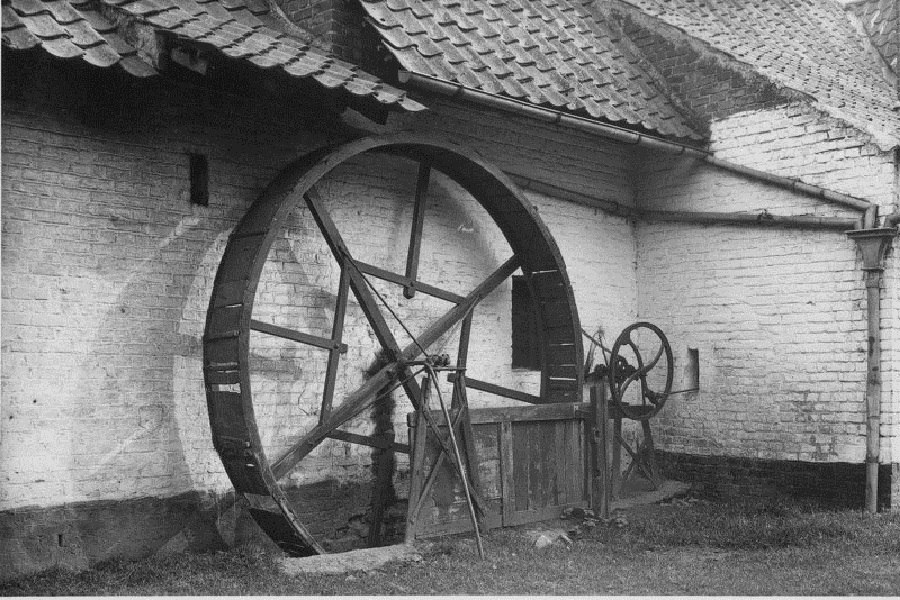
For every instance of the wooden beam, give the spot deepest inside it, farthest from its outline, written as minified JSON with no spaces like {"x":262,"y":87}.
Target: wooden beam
{"x":380,"y":442}
{"x":417,"y":467}
{"x":356,"y":402}
{"x":366,"y":395}
{"x":437,"y":463}
{"x":491,"y":388}
{"x":337,"y":332}
{"x":303,"y":338}
{"x":461,"y":402}
{"x":409,"y":283}
{"x":553,"y":411}
{"x":415,"y":235}
{"x":357,"y":282}
{"x":458,"y":312}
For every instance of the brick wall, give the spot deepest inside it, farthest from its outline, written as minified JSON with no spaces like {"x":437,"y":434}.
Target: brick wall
{"x":762,"y":398}
{"x":778,"y":315}
{"x":107,"y":270}
{"x":708,"y":85}
{"x":337,"y":27}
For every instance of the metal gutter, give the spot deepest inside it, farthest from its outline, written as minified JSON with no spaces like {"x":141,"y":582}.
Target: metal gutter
{"x":762,"y":219}
{"x":556,"y":117}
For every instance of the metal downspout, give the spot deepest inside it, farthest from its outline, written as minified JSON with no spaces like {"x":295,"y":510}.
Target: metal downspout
{"x":873,"y":244}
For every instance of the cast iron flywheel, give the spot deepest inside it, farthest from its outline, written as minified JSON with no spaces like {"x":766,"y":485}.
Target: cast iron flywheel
{"x":230,"y":317}
{"x":656,"y":364}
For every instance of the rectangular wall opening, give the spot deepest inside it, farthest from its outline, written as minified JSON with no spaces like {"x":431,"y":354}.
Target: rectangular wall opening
{"x":692,"y":369}
{"x":199,"y":174}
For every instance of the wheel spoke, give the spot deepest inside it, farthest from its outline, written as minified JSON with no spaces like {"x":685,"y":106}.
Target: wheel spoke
{"x":415,"y":236}
{"x":337,"y":332}
{"x":458,"y":312}
{"x":642,"y":369}
{"x":356,"y":402}
{"x":334,"y":345}
{"x":408,"y":283}
{"x":366,"y":395}
{"x":357,"y":283}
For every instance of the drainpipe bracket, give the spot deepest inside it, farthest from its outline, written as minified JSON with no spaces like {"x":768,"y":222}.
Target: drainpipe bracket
{"x":874,"y":244}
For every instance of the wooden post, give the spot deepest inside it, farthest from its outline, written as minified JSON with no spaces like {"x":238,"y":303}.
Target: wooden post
{"x":616,"y":468}
{"x":650,"y":455}
{"x":600,"y":461}
{"x":417,"y":464}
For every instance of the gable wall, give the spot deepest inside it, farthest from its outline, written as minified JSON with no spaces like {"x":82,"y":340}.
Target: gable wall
{"x":105,"y":448}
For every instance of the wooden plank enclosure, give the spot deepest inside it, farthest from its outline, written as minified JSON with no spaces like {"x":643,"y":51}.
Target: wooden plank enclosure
{"x":532,"y":463}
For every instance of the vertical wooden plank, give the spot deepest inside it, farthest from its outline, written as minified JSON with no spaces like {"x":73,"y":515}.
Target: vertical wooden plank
{"x":461,"y":403}
{"x":535,"y":464}
{"x":553,"y":462}
{"x":507,"y":472}
{"x":334,"y":355}
{"x":417,"y":465}
{"x":521,"y":459}
{"x":584,"y":434}
{"x":548,"y":452}
{"x":561,"y":473}
{"x":651,"y":454}
{"x":600,"y":408}
{"x":572,"y":465}
{"x":616,"y":469}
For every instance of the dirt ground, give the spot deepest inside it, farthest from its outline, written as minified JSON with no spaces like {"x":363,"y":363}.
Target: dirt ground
{"x":683,"y":546}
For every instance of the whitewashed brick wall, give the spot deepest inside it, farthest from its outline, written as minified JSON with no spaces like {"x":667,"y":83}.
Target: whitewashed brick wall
{"x":107,"y":271}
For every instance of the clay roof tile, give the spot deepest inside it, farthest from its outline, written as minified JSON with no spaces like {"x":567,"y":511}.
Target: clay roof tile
{"x":238,"y":28}
{"x":550,"y":52}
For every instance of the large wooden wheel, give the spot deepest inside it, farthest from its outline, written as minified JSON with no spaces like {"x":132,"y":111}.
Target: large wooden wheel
{"x":230,"y":317}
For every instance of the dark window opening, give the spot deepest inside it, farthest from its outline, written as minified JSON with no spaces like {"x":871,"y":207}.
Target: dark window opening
{"x":692,"y":369}
{"x":199,"y":174}
{"x":526,"y":346}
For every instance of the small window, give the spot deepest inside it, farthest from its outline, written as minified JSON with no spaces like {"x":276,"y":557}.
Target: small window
{"x":692,"y":369}
{"x":526,"y":347}
{"x":199,"y":174}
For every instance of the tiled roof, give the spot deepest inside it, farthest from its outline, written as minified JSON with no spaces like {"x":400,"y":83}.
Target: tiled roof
{"x":238,"y":28}
{"x":881,"y":20}
{"x":549,"y":53}
{"x":806,"y":45}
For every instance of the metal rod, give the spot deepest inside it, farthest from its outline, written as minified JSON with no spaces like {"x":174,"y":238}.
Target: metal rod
{"x":763,"y":219}
{"x":693,"y":389}
{"x":459,"y":461}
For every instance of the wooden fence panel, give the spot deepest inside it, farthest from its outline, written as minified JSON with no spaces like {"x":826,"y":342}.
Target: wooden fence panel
{"x":530,"y":465}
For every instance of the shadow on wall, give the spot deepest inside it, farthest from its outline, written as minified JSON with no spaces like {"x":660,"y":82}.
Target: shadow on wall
{"x":140,"y":474}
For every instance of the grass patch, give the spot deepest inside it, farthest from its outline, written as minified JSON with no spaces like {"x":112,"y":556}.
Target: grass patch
{"x":694,"y":549}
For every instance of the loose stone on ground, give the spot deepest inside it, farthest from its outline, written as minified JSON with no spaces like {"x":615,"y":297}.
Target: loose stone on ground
{"x":366,"y":559}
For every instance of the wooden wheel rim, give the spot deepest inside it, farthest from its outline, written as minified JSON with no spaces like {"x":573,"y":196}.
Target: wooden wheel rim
{"x":226,"y":341}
